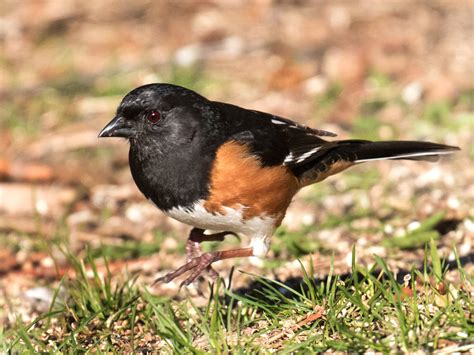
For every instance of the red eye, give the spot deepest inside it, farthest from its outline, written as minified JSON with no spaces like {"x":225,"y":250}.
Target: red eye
{"x":153,"y":116}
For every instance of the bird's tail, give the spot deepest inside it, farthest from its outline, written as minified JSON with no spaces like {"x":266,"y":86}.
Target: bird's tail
{"x":346,"y":153}
{"x":362,"y":151}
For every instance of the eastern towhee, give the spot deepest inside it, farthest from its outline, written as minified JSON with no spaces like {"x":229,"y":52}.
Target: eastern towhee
{"x":223,"y":168}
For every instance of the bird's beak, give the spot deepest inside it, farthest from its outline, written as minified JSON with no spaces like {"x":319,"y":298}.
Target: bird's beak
{"x":118,"y":127}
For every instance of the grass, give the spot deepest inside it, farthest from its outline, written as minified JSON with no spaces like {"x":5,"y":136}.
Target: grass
{"x":295,"y":244}
{"x":128,"y":249}
{"x":369,"y":309}
{"x":419,"y":236}
{"x":56,"y":100}
{"x":324,"y":104}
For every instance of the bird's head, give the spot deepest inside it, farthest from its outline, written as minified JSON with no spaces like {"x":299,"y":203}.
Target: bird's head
{"x":159,"y":112}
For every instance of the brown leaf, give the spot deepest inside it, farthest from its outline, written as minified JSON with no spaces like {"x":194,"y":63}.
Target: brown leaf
{"x":8,"y":261}
{"x":406,"y":292}
{"x":345,"y":65}
{"x":310,"y":318}
{"x":441,"y":287}
{"x":287,"y":76}
{"x":4,"y":168}
{"x":21,"y":171}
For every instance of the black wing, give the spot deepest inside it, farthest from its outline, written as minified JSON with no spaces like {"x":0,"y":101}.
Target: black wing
{"x":275,"y":140}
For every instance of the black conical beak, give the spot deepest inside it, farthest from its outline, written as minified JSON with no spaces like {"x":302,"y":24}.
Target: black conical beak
{"x":118,"y":127}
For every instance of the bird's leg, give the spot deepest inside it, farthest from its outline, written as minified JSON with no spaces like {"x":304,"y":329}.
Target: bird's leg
{"x":197,"y":236}
{"x":193,"y":249}
{"x":200,"y":263}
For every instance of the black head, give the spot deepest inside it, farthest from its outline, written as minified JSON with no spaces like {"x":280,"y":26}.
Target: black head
{"x":157,"y":112}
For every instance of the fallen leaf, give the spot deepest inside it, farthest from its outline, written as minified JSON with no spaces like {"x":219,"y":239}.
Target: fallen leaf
{"x":8,"y":261}
{"x":310,"y":318}
{"x":406,"y":292}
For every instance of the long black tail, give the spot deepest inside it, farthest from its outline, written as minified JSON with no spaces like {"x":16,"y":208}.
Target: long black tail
{"x":362,"y":151}
{"x":341,"y":155}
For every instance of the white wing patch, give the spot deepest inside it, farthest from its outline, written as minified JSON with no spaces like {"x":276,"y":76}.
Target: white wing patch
{"x":291,"y":158}
{"x":306,"y":147}
{"x":289,"y":124}
{"x":280,"y":121}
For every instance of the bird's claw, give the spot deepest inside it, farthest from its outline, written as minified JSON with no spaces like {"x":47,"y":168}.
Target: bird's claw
{"x":197,"y":265}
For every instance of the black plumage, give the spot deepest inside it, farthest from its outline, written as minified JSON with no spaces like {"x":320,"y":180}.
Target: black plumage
{"x":177,"y":136}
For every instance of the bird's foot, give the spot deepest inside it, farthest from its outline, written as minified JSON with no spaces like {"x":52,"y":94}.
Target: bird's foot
{"x":197,"y":264}
{"x":203,"y":262}
{"x":193,"y":250}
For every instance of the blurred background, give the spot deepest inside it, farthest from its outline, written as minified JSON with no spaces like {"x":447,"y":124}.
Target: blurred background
{"x":372,"y":69}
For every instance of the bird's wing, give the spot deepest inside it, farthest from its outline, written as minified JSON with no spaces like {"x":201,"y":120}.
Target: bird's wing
{"x":276,"y":140}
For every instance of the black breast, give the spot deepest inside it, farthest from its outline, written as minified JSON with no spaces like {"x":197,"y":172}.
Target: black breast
{"x":171,"y":179}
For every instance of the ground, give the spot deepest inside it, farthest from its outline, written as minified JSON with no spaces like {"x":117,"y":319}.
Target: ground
{"x":378,"y":258}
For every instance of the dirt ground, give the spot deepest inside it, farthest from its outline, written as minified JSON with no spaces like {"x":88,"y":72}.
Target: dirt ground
{"x":381,"y":70}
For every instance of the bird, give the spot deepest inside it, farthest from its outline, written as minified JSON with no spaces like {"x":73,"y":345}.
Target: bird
{"x":223,"y":169}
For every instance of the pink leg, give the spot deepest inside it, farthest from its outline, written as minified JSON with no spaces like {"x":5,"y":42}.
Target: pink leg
{"x":200,"y":263}
{"x":197,"y":236}
{"x":193,"y":249}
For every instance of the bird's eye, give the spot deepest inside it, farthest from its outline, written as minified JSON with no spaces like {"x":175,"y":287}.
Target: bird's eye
{"x":153,"y":116}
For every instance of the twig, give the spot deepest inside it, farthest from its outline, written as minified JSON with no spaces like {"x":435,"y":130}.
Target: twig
{"x":310,"y":318}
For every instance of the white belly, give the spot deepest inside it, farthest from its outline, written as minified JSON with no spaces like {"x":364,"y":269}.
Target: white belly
{"x":259,"y":229}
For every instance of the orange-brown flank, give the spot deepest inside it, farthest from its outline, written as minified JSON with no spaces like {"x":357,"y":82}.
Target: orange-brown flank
{"x":239,"y":179}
